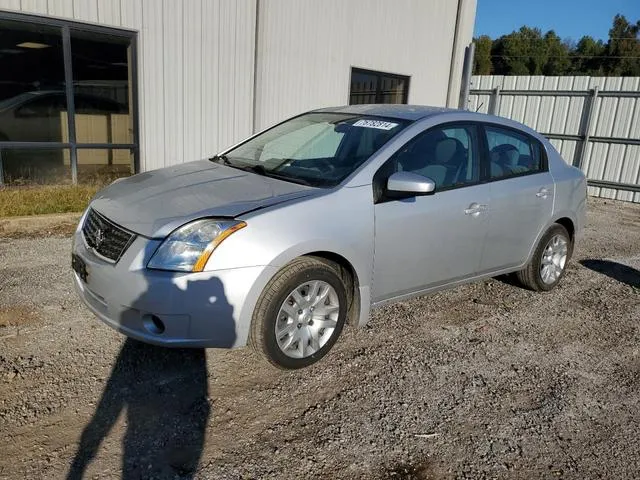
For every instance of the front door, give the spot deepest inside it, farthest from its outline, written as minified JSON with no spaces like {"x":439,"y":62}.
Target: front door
{"x":427,"y":241}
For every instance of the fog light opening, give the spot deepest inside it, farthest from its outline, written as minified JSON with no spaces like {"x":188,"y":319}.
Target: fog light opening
{"x":153,"y":324}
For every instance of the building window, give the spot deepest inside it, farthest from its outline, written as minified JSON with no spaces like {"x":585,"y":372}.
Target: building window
{"x":368,"y":86}
{"x":67,"y":102}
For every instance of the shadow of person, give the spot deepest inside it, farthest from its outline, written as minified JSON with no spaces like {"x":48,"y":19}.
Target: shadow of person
{"x":617,"y":271}
{"x":164,"y":393}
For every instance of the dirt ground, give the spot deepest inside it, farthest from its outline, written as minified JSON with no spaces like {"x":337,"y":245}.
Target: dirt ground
{"x":484,"y":381}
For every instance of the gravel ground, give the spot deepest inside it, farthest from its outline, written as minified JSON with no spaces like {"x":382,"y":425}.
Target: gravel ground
{"x":484,"y":381}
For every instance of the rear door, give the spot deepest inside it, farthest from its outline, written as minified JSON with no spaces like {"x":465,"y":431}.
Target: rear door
{"x":521,"y":196}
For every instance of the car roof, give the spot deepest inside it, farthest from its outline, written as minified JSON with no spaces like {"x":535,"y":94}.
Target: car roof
{"x":419,"y":112}
{"x":403,"y":112}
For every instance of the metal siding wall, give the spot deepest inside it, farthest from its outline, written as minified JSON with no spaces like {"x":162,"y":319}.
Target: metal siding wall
{"x":612,"y":117}
{"x":307,"y":48}
{"x":195,"y":69}
{"x":465,"y":36}
{"x":61,"y":8}
{"x":10,"y":4}
{"x":151,"y":50}
{"x":173,"y":60}
{"x":86,"y":10}
{"x":192,"y":79}
{"x":35,"y":6}
{"x":209,"y":123}
{"x":109,"y":12}
{"x":196,"y":59}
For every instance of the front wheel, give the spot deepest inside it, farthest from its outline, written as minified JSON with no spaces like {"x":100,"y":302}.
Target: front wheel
{"x":300,"y":314}
{"x":549,"y":260}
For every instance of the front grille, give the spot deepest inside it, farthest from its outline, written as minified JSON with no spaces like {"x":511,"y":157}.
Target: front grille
{"x":104,"y":237}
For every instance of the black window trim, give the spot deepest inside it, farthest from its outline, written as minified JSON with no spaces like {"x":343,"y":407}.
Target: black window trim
{"x":482,"y":145}
{"x":66,"y":26}
{"x":485,"y":171}
{"x":379,"y":74}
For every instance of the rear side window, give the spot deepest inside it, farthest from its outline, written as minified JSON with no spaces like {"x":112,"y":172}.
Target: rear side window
{"x":512,"y":154}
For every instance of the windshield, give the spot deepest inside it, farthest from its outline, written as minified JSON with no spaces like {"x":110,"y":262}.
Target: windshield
{"x":317,"y":149}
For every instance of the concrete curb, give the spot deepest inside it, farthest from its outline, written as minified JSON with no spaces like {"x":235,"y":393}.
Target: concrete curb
{"x":39,"y":225}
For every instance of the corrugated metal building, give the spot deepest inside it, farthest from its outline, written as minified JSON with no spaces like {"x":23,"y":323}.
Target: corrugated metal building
{"x":176,"y":80}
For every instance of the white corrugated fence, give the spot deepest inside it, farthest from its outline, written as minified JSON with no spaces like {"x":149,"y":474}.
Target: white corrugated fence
{"x":594,"y":122}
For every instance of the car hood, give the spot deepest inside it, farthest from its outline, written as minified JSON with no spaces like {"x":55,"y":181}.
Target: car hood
{"x":155,"y":203}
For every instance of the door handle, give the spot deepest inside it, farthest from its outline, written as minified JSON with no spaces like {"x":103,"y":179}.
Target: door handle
{"x":475,"y":209}
{"x":543,"y":193}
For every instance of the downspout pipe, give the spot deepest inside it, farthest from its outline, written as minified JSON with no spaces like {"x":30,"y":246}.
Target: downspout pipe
{"x":454,"y":49}
{"x":467,"y":69}
{"x":256,"y":45}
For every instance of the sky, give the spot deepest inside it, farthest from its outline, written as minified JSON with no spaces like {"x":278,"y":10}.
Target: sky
{"x":568,"y":18}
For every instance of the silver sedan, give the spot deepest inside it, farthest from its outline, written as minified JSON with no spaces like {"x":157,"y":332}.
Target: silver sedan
{"x":282,"y":239}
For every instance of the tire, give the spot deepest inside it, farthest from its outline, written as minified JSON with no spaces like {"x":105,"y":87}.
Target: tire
{"x":308,"y":323}
{"x":553,"y":251}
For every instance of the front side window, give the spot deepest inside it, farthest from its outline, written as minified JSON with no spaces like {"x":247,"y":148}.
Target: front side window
{"x":447,"y":155}
{"x":317,"y":149}
{"x":511,"y":154}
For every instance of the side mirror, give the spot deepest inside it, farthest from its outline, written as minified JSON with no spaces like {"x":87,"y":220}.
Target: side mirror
{"x":409,"y":184}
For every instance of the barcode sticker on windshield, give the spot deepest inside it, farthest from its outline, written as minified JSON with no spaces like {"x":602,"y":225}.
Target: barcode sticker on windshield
{"x":375,"y":124}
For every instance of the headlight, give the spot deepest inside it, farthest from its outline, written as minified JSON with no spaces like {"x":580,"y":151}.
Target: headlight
{"x":189,"y":247}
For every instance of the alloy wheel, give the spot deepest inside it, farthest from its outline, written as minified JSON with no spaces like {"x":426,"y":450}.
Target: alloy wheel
{"x":307,"y":319}
{"x":554,"y":259}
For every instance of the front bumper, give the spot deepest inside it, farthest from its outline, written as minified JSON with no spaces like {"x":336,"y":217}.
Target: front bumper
{"x":206,"y":309}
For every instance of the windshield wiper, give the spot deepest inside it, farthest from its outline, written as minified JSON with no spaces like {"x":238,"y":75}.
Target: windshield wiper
{"x":287,"y":178}
{"x":259,"y":170}
{"x":221,"y":159}
{"x":282,"y":163}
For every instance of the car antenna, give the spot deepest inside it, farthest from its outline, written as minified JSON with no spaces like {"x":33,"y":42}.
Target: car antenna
{"x":479,"y":107}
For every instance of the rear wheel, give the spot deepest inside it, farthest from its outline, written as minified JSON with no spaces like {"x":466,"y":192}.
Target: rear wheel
{"x":549,"y":260}
{"x":300,"y":313}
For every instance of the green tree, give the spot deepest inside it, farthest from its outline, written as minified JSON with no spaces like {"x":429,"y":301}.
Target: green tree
{"x":588,"y":57}
{"x":623,"y":48}
{"x":482,"y":58}
{"x":558,"y":61}
{"x":529,"y":52}
{"x":520,"y":53}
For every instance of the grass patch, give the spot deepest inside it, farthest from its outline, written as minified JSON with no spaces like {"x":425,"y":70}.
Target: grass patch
{"x":19,"y":201}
